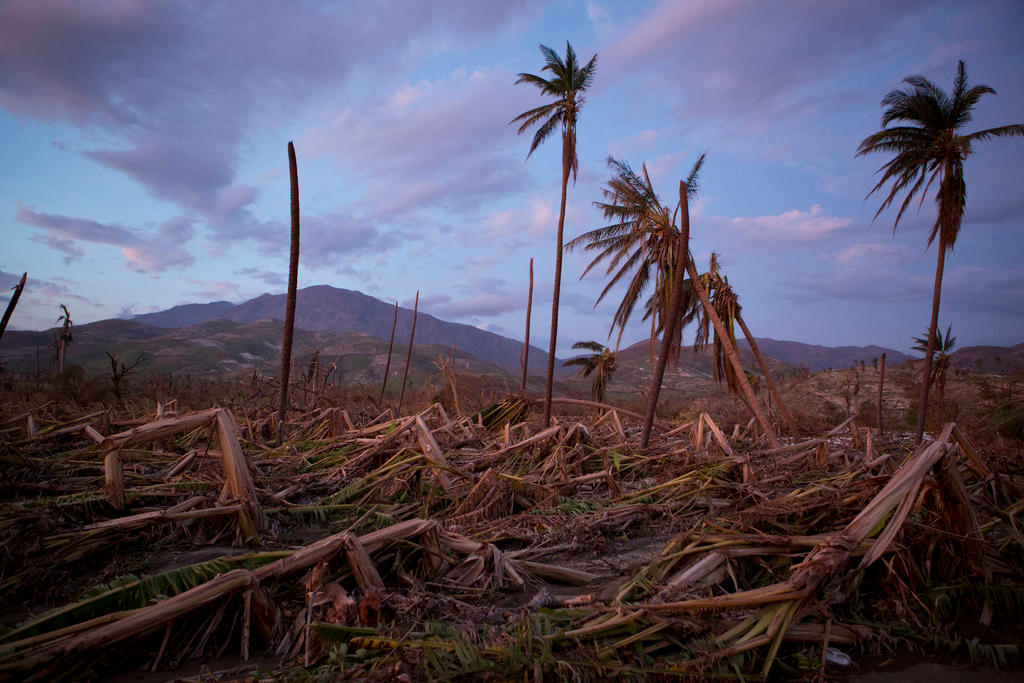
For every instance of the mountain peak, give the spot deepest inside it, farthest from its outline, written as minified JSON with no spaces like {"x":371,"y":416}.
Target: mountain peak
{"x":323,"y":308}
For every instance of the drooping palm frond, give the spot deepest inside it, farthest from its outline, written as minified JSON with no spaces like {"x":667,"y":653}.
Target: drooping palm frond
{"x":930,"y":147}
{"x":726,"y":304}
{"x":637,"y":244}
{"x":601,"y":362}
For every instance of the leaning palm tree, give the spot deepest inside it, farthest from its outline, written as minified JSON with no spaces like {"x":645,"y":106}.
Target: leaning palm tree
{"x":638,"y":247}
{"x":601,"y":364}
{"x":567,"y":83}
{"x":727,"y":305}
{"x":645,"y":246}
{"x":930,"y":150}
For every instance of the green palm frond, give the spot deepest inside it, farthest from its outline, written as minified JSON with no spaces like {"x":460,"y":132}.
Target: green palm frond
{"x":568,"y":82}
{"x":929,"y":148}
{"x":601,"y":362}
{"x":130,"y":592}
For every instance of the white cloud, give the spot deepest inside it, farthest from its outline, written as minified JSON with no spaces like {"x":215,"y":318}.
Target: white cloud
{"x":790,"y":229}
{"x":874,"y":252}
{"x":485,"y":304}
{"x":144,"y":253}
{"x":539,"y":220}
{"x":443,"y":143}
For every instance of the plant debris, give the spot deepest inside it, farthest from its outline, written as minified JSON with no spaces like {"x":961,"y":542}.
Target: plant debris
{"x":424,"y":546}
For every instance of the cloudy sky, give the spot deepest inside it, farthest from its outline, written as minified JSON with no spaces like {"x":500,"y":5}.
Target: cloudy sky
{"x":144,"y":156}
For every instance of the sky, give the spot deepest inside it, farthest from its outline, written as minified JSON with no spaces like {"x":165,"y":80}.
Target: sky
{"x":144,"y":159}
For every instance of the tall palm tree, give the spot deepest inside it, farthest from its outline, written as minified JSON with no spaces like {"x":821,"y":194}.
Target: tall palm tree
{"x":930,"y":149}
{"x":567,"y":84}
{"x":601,"y":363}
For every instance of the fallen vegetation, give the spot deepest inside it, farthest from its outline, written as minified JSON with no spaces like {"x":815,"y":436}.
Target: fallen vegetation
{"x":434,"y":545}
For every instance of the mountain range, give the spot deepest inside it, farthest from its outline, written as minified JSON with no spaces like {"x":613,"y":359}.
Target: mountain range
{"x":351,"y":330}
{"x":328,"y":309}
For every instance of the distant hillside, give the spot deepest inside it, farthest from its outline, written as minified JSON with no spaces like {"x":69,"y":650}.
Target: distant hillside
{"x":219,"y":347}
{"x":694,"y":371}
{"x":816,"y":358}
{"x":989,"y":358}
{"x":328,"y":309}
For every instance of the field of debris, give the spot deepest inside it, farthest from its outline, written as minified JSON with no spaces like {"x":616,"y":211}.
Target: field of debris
{"x":181,"y":540}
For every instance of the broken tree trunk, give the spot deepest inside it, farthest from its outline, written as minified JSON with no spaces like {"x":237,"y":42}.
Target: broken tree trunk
{"x":391,"y":345}
{"x":236,"y":473}
{"x":21,"y":286}
{"x":731,"y":355}
{"x":774,"y":390}
{"x":115,"y":479}
{"x":289,"y":312}
{"x":526,"y":343}
{"x":881,"y":385}
{"x":408,"y":356}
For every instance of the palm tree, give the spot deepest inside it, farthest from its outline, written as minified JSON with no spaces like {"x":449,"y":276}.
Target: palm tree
{"x":727,"y":305}
{"x":930,"y":149}
{"x":567,"y":83}
{"x":601,"y":364}
{"x":639,"y":245}
{"x":943,"y":346}
{"x":729,"y":349}
{"x":644,"y":245}
{"x":65,"y":337}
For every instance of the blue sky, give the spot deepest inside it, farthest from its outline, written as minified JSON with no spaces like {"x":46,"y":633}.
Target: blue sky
{"x":145,"y":156}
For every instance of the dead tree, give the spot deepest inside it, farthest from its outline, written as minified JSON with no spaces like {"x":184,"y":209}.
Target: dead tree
{"x":391,"y":345}
{"x":17,"y":295}
{"x":881,"y":384}
{"x":408,"y":356}
{"x":289,"y":312}
{"x":526,"y":343}
{"x":118,"y":371}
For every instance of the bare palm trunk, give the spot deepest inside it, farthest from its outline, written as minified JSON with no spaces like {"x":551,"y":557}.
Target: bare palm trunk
{"x":733,"y":358}
{"x":772,"y":389}
{"x":408,"y":356}
{"x":391,"y":345}
{"x":926,"y":378}
{"x":12,"y":303}
{"x":289,"y":311}
{"x":566,"y":164}
{"x":881,"y":385}
{"x":674,"y":313}
{"x":526,"y":344}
